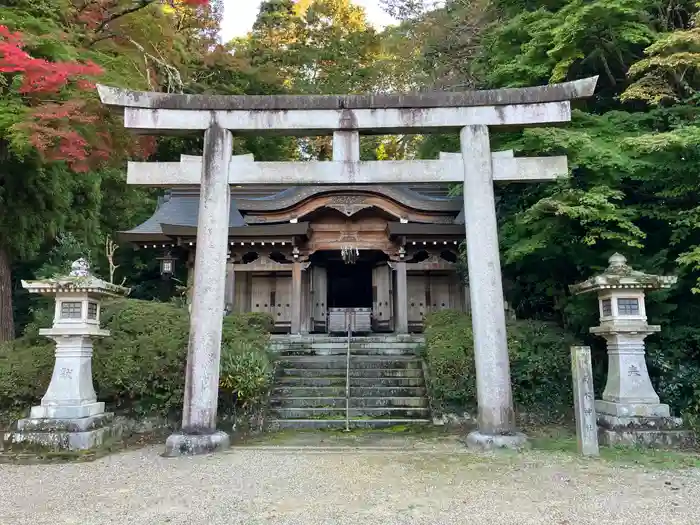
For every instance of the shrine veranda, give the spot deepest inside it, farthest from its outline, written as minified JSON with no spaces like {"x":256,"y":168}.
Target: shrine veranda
{"x":281,"y":253}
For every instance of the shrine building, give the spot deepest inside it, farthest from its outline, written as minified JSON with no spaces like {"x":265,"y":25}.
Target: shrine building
{"x":307,"y":254}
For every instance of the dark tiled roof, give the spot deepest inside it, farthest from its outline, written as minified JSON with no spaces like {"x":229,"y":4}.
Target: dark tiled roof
{"x":181,"y":210}
{"x":180,"y":207}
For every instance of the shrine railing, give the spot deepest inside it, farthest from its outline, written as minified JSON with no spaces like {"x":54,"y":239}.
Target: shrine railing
{"x":349,"y":318}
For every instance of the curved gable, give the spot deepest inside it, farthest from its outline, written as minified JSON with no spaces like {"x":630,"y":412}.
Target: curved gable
{"x":405,"y":196}
{"x":350,"y":201}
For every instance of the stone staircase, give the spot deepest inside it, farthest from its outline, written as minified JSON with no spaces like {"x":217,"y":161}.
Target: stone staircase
{"x":387,"y":387}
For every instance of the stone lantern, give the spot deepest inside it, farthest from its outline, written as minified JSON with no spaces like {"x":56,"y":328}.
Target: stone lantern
{"x":630,"y":411}
{"x":69,"y":416}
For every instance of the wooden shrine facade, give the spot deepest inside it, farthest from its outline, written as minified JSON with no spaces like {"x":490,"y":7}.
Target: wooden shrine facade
{"x":299,"y":253}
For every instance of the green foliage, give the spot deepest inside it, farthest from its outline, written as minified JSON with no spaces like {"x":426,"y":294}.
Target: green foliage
{"x":140,"y":368}
{"x":246,"y":373}
{"x":449,"y":342}
{"x":25,"y":372}
{"x":673,"y":359}
{"x":539,"y":357}
{"x":315,"y":46}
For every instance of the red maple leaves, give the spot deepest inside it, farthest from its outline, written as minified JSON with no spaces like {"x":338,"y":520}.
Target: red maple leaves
{"x":39,"y":75}
{"x":57,"y":129}
{"x":64,"y":121}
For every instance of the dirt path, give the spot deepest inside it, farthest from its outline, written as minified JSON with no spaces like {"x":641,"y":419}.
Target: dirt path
{"x":397,"y":480}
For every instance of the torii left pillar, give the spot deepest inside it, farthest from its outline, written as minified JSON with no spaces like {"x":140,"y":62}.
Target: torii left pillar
{"x":494,"y":392}
{"x":199,"y":434}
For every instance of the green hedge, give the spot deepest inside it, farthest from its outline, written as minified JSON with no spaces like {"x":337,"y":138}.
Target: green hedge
{"x":539,"y":361}
{"x":140,"y":368}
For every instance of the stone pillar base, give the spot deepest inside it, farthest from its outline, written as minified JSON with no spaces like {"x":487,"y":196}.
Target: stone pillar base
{"x":68,"y":412}
{"x":480,"y":441}
{"x":640,"y":424}
{"x":183,"y":444}
{"x":646,"y":438}
{"x":64,"y":434}
{"x":644,"y":410}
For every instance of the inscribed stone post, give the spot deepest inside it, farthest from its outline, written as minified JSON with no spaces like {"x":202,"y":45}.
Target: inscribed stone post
{"x":584,"y":402}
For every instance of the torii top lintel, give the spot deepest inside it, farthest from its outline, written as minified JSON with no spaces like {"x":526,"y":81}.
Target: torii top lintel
{"x":323,"y":114}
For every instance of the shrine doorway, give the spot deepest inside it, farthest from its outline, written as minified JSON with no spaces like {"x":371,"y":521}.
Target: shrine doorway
{"x":350,"y":284}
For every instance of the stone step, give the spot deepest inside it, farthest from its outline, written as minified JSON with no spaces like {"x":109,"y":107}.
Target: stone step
{"x":326,"y":381}
{"x":342,"y":351}
{"x":354,"y":372}
{"x":343,"y":343}
{"x":279,"y":424}
{"x":355,"y":413}
{"x":355,"y":402}
{"x":339,"y":391}
{"x":324,"y":338}
{"x":307,"y":402}
{"x":356,"y":363}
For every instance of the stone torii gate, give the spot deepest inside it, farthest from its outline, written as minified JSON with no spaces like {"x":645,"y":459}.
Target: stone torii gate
{"x":346,"y":118}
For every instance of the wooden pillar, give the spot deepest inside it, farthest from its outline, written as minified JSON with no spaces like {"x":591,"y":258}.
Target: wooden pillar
{"x":401,"y":311}
{"x":306,"y":302}
{"x":296,"y":298}
{"x":230,"y":295}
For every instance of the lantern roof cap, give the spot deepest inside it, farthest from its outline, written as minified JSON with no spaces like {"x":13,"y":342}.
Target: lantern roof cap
{"x":620,"y":275}
{"x":79,"y":280}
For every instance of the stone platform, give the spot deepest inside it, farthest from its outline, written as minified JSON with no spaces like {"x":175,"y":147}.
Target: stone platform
{"x":645,"y":431}
{"x":64,"y":434}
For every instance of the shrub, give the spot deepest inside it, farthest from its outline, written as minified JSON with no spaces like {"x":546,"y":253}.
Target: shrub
{"x":25,"y":372}
{"x":448,"y":354}
{"x":539,"y":361}
{"x":246,"y":374}
{"x":673,"y":358}
{"x":140,"y":368}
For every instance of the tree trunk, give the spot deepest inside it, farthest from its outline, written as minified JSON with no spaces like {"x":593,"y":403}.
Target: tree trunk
{"x":7,"y":325}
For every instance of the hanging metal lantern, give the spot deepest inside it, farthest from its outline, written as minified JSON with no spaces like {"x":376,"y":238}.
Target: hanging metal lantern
{"x":167,"y":264}
{"x":350,"y":254}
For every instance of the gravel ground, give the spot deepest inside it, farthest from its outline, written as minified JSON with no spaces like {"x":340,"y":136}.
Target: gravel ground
{"x":288,"y":485}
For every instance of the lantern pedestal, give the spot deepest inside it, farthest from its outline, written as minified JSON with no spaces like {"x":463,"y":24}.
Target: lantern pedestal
{"x":629,"y":411}
{"x":69,"y":416}
{"x":65,"y":434}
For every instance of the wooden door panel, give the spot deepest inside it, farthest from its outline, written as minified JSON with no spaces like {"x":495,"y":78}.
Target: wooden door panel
{"x":382,"y":303}
{"x":319,"y":298}
{"x":261,"y":294}
{"x":242,"y":297}
{"x":416,"y":301}
{"x":283,"y":300}
{"x":439,"y":292}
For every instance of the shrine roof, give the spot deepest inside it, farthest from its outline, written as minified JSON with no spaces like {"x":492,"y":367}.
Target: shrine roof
{"x":117,"y":97}
{"x":247,"y":232}
{"x":180,"y":208}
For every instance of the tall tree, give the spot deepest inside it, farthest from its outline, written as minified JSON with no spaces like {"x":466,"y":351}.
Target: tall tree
{"x":316,"y":46}
{"x":55,"y":137}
